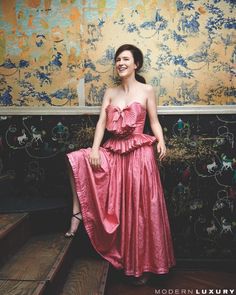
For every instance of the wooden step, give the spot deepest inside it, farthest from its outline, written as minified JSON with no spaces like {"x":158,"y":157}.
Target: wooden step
{"x":10,"y":221}
{"x":39,"y":261}
{"x":14,"y":231}
{"x":21,"y":287}
{"x":87,"y":276}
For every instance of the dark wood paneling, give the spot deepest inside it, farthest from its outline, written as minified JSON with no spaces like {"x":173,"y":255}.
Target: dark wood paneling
{"x":198,"y":174}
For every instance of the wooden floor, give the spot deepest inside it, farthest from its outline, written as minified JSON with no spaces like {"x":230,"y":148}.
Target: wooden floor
{"x":36,"y":259}
{"x":176,"y":282}
{"x":88,"y":275}
{"x":37,"y":262}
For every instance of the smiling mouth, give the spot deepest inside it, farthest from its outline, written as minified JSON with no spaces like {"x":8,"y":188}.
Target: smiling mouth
{"x":121,"y":69}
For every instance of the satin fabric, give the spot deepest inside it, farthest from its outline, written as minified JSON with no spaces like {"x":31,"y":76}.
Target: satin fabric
{"x":122,"y":202}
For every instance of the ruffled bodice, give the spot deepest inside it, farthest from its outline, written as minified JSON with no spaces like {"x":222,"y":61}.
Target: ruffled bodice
{"x":127,"y":126}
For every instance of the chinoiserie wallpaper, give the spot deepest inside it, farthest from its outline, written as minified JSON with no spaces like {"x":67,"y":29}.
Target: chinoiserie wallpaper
{"x":60,"y":52}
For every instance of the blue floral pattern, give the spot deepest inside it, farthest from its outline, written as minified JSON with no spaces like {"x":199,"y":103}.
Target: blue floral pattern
{"x":189,"y":50}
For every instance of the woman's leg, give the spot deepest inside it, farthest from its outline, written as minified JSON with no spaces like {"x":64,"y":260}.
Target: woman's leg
{"x":76,"y":204}
{"x":76,"y":215}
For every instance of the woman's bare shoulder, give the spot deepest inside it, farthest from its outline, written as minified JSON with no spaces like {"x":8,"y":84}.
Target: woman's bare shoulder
{"x":148,"y":87}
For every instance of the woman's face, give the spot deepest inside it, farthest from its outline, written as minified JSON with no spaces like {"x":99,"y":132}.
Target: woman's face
{"x":125,"y":65}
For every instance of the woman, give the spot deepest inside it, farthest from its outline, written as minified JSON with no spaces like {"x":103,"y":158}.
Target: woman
{"x":116,"y":187}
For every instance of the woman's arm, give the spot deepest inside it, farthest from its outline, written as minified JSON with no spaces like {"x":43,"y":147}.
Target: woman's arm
{"x":154,"y":122}
{"x":94,"y":157}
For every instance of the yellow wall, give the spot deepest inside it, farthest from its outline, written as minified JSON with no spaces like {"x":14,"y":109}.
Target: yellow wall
{"x":50,"y":50}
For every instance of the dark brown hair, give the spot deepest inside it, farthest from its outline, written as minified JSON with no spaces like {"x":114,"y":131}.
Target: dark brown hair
{"x":138,"y":58}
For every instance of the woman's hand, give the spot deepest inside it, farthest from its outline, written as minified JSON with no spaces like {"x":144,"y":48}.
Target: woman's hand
{"x":94,"y":158}
{"x":161,"y":149}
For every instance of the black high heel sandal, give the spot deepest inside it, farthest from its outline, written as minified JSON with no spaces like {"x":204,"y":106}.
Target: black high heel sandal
{"x":142,"y":280}
{"x":71,"y":234}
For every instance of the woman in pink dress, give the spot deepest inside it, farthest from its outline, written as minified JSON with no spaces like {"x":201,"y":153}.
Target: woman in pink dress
{"x":116,"y":187}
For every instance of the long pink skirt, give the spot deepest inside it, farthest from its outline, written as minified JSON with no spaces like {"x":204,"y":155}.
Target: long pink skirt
{"x":124,"y":211}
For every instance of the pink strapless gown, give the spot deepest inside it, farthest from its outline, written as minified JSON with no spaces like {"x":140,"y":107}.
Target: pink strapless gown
{"x":122,"y":202}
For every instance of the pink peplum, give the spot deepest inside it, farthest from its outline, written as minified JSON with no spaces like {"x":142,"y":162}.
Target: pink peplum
{"x":127,"y":127}
{"x":122,"y":202}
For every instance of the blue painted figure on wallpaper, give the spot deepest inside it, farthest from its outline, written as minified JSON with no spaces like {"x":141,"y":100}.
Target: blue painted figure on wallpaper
{"x":40,"y":38}
{"x":88,"y":64}
{"x":6,"y":97}
{"x":89,"y":77}
{"x":65,"y":93}
{"x":8,"y":64}
{"x":184,"y":6}
{"x":96,"y":94}
{"x":94,"y":35}
{"x":43,"y":77}
{"x":43,"y":96}
{"x":56,"y":61}
{"x":68,"y":46}
{"x":188,"y":94}
{"x":107,"y":59}
{"x":189,"y":24}
{"x":158,"y":24}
